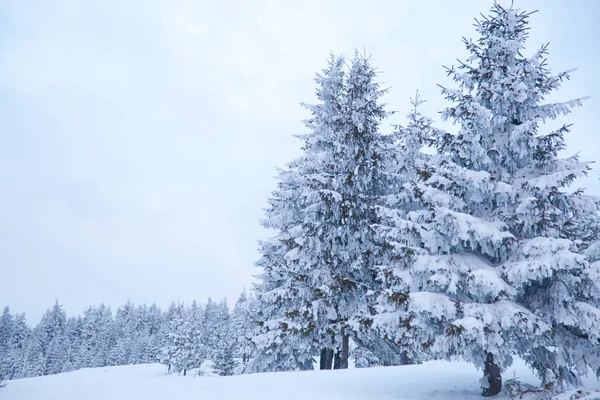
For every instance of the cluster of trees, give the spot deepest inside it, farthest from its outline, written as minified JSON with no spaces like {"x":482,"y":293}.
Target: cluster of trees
{"x":181,"y":337}
{"x":475,"y":249}
{"x":194,"y":334}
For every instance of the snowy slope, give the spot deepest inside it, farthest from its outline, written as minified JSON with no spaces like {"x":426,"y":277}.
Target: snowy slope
{"x":433,"y":380}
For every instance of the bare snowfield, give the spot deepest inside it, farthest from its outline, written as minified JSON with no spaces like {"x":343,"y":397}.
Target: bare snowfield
{"x":432,"y":380}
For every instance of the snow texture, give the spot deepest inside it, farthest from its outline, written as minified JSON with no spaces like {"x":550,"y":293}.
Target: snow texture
{"x":453,"y":381}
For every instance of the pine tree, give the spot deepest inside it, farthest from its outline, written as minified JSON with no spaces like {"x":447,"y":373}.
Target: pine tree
{"x":332,"y":211}
{"x":6,"y":334}
{"x":73,"y":357}
{"x":174,"y":318}
{"x":52,"y":340}
{"x":191,"y":352}
{"x":126,"y":333}
{"x":20,"y":338}
{"x":155,"y":321}
{"x":282,"y":289}
{"x":501,"y":272}
{"x":242,"y":325}
{"x":224,"y":362}
{"x":211,"y":323}
{"x":403,"y":233}
{"x":183,"y":349}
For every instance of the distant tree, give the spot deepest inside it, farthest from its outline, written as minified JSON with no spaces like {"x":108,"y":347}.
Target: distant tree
{"x":155,"y":334}
{"x":168,"y":351}
{"x":74,"y":359}
{"x":34,"y":361}
{"x":224,"y":363}
{"x":211,"y":323}
{"x":243,"y":320}
{"x":226,"y":344}
{"x":51,"y":337}
{"x":183,"y":349}
{"x":20,"y":339}
{"x":6,"y":334}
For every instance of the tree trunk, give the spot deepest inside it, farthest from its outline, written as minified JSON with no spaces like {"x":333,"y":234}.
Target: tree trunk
{"x":337,"y":360}
{"x":326,"y":358}
{"x":184,"y":371}
{"x":404,"y":360}
{"x":341,"y":355}
{"x":345,"y":352}
{"x":492,"y":380}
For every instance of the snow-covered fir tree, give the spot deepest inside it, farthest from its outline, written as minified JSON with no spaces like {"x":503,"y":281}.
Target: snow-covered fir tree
{"x":401,"y":232}
{"x":330,"y":211}
{"x":20,"y":338}
{"x":6,"y":334}
{"x":73,"y":355}
{"x":168,"y":350}
{"x":281,"y":290}
{"x":183,"y":349}
{"x":97,"y":335}
{"x":52,"y":339}
{"x":501,"y":271}
{"x":212,"y":323}
{"x":242,"y":325}
{"x":124,"y":330}
{"x":224,"y":362}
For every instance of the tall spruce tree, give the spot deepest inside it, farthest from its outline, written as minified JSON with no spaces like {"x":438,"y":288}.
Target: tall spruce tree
{"x":304,"y":190}
{"x":501,"y":272}
{"x":327,"y":210}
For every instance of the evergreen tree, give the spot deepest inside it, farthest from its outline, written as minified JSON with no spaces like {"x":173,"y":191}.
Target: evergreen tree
{"x":285,"y":283}
{"x":501,"y":272}
{"x":224,"y":362}
{"x":211,"y":323}
{"x":321,"y":268}
{"x":20,"y":338}
{"x":73,"y":356}
{"x":6,"y":334}
{"x":242,"y":326}
{"x":403,"y":231}
{"x":51,"y":337}
{"x":183,"y":349}
{"x":174,"y":318}
{"x":34,"y":361}
{"x":155,"y":321}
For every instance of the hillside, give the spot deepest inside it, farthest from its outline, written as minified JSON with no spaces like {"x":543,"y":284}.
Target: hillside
{"x":433,"y":380}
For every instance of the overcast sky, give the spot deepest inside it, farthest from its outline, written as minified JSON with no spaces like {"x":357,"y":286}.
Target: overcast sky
{"x":140,"y":138}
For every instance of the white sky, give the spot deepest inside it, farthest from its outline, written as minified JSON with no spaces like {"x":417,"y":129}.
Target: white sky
{"x":140,"y":138}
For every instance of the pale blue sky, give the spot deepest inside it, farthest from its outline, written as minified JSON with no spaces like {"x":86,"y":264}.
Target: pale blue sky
{"x":140,"y":137}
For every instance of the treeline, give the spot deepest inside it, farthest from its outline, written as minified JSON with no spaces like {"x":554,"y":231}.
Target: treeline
{"x":181,"y":337}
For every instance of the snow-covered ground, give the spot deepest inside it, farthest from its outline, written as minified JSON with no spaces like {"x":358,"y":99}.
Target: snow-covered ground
{"x":433,"y":380}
